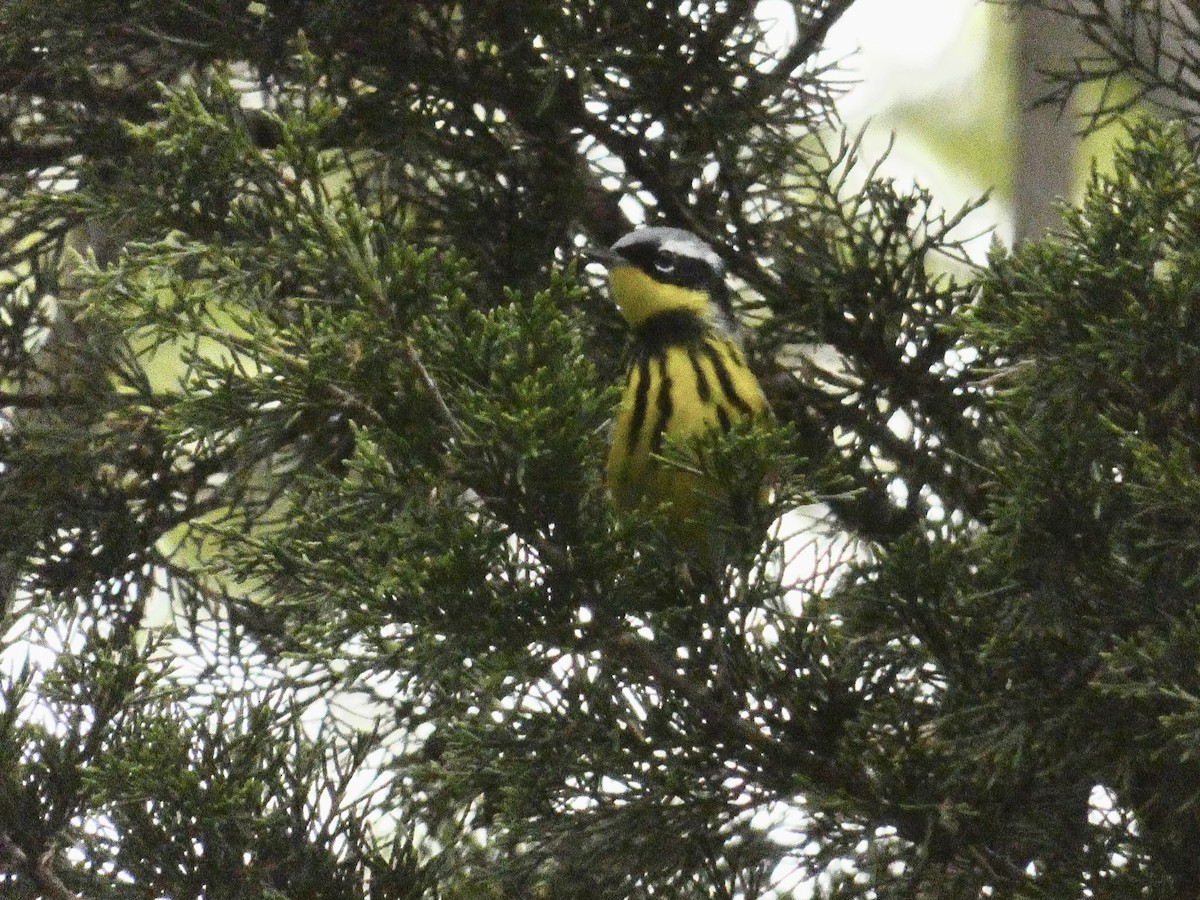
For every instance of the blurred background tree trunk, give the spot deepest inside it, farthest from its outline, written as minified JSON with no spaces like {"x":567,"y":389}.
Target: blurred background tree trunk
{"x":1047,"y":133}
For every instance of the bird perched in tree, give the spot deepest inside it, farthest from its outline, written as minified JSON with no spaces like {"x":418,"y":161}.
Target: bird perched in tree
{"x":688,"y":375}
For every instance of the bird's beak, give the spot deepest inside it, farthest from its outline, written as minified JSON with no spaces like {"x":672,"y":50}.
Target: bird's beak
{"x":604,"y":257}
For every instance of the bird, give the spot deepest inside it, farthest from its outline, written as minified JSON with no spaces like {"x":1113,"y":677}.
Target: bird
{"x":687,"y":375}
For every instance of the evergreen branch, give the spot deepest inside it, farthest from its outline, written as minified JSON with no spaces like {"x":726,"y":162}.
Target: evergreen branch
{"x":1153,"y":42}
{"x":638,"y":163}
{"x":720,"y":719}
{"x":807,"y":45}
{"x":787,"y":766}
{"x":40,"y":872}
{"x":723,"y":722}
{"x":369,"y":285}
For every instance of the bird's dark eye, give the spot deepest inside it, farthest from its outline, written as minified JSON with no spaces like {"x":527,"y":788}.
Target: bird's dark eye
{"x":664,"y":262}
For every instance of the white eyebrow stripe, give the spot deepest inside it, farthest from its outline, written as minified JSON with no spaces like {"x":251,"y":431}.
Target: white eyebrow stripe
{"x":693,"y":250}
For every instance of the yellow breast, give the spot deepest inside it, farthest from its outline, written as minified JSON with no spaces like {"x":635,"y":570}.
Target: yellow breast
{"x":672,"y":394}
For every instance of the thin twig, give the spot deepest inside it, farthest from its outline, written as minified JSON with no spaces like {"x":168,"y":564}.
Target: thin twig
{"x":414,"y":359}
{"x":356,"y":402}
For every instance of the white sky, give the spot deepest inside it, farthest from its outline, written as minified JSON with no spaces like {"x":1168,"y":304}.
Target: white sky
{"x":902,"y":52}
{"x":902,"y":49}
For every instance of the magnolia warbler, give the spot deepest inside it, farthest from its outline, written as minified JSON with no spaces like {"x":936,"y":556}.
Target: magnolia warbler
{"x":688,"y":374}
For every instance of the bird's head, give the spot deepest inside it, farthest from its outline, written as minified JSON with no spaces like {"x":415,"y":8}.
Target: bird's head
{"x":667,"y":270}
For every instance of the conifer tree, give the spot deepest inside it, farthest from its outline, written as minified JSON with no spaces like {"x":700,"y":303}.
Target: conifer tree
{"x":310,"y":584}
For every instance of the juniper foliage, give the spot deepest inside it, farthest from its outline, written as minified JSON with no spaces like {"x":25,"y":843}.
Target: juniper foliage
{"x":310,"y":585}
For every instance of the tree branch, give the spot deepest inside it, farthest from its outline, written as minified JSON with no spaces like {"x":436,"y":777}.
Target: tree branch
{"x":14,"y":859}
